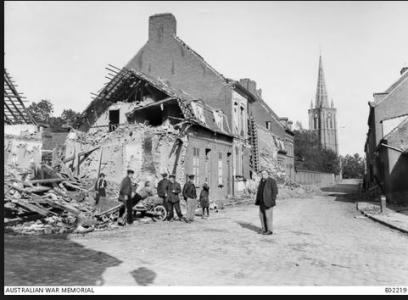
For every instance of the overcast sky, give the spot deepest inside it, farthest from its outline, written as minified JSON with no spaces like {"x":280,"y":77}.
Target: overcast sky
{"x":59,"y":50}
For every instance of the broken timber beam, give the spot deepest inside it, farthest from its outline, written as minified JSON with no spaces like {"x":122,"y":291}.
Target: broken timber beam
{"x":50,"y":180}
{"x":110,"y":210}
{"x":61,"y":205}
{"x":31,"y":207}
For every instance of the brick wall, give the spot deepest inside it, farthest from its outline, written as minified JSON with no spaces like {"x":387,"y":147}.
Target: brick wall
{"x":171,"y":60}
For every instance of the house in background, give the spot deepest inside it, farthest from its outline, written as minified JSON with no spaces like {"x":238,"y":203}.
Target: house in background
{"x":387,"y":142}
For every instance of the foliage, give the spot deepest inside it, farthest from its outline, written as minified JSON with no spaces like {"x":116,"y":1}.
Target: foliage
{"x":353,"y":166}
{"x":41,"y":111}
{"x":309,"y":155}
{"x":69,"y":116}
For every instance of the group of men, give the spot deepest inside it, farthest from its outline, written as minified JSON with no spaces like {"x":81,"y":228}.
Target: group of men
{"x":167,"y":189}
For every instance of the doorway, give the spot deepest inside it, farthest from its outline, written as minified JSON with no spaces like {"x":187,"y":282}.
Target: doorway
{"x":114,"y":117}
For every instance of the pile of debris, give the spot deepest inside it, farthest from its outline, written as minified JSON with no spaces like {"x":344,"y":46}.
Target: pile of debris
{"x":59,"y":203}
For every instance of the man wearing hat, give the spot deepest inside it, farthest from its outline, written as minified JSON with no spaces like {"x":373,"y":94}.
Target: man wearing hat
{"x":162,"y":189}
{"x":173,"y":199}
{"x":125,"y":196}
{"x":190,"y":195}
{"x":100,"y":188}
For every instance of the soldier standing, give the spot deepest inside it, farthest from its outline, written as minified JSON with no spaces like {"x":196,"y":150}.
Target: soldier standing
{"x":173,"y":199}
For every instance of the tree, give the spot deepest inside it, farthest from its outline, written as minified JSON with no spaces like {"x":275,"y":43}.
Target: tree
{"x":309,"y":155}
{"x":41,"y":111}
{"x":70,"y":117}
{"x":353,"y":166}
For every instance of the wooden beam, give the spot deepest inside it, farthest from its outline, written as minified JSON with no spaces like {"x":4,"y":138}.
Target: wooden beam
{"x":31,"y":207}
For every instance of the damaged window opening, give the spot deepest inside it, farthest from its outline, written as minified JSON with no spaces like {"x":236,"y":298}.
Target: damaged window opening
{"x":220,"y":175}
{"x":196,"y":164}
{"x":207,"y":158}
{"x":114,"y":116}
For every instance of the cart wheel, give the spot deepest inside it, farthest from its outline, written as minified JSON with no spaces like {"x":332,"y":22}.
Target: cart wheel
{"x":160,"y":212}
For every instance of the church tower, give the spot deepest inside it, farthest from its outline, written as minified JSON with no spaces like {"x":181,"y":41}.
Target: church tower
{"x":322,"y":116}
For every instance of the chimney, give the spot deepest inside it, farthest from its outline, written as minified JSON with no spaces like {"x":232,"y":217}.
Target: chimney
{"x":290,"y":123}
{"x":403,"y":70}
{"x":249,"y":84}
{"x":161,"y":26}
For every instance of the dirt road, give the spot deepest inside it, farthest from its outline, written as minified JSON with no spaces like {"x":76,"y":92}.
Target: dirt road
{"x":318,"y":241}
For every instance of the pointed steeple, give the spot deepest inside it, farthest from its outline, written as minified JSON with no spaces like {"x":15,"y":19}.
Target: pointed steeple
{"x":332,"y":103}
{"x":321,"y":92}
{"x":311,"y":104}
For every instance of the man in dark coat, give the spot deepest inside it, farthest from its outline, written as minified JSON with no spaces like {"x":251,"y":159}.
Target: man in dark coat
{"x":190,"y":195}
{"x":100,"y":188}
{"x":265,"y":199}
{"x":162,"y":190}
{"x":173,"y":199}
{"x":125,"y":196}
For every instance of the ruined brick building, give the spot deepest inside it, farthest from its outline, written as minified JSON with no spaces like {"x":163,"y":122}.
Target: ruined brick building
{"x":322,"y":116}
{"x":386,"y":146}
{"x":223,"y":129}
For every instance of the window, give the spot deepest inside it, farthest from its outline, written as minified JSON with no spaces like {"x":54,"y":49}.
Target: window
{"x":242,"y":122}
{"x":196,"y":164}
{"x":268,"y":125}
{"x":238,"y":162}
{"x":220,"y":182}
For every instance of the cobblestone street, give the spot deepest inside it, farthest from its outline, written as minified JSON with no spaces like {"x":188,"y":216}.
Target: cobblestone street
{"x":319,"y":241}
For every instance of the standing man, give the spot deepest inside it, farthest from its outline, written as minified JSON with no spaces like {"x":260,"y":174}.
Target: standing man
{"x":190,"y":195}
{"x":162,"y":190}
{"x":173,"y":199}
{"x":125,"y":196}
{"x":265,"y":199}
{"x":100,"y":188}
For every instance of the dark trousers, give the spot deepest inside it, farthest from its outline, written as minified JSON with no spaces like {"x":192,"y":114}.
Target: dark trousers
{"x":165,"y":203}
{"x":128,"y":208}
{"x":175,"y":205}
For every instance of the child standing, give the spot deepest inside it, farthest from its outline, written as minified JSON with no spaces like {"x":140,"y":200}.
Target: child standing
{"x":204,"y":200}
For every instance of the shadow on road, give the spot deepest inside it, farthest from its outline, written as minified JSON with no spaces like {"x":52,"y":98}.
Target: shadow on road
{"x":143,"y":276}
{"x":249,"y":226}
{"x":344,"y":192}
{"x":52,"y":260}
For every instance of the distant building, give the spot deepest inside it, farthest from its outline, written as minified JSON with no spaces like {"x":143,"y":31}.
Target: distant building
{"x":386,"y":146}
{"x":322,"y":117}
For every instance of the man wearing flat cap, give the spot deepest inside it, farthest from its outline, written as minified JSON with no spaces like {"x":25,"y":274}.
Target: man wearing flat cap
{"x":162,"y":189}
{"x":173,"y":199}
{"x":190,"y":195}
{"x":125,"y":196}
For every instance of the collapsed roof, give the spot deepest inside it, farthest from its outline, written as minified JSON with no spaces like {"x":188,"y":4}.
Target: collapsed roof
{"x":15,"y":111}
{"x":131,"y":86}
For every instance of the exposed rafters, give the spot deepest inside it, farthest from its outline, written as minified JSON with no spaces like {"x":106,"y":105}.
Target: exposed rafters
{"x":15,"y":111}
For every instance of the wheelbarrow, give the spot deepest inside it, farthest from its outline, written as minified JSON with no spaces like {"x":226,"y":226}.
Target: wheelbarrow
{"x":153,"y":207}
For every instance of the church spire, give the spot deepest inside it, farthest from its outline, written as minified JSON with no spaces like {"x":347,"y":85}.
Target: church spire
{"x":321,"y":92}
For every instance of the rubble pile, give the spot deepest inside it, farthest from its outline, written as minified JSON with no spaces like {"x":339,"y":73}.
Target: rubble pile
{"x":60,"y":204}
{"x":146,"y":149}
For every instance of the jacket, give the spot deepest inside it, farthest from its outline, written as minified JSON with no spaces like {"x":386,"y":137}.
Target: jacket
{"x":100,"y":186}
{"x":189,"y":191}
{"x":266,"y":197}
{"x":204,"y":199}
{"x":173,"y":191}
{"x":125,"y":188}
{"x":162,"y":187}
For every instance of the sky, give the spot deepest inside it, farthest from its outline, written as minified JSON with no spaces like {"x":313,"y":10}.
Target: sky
{"x":59,"y":50}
